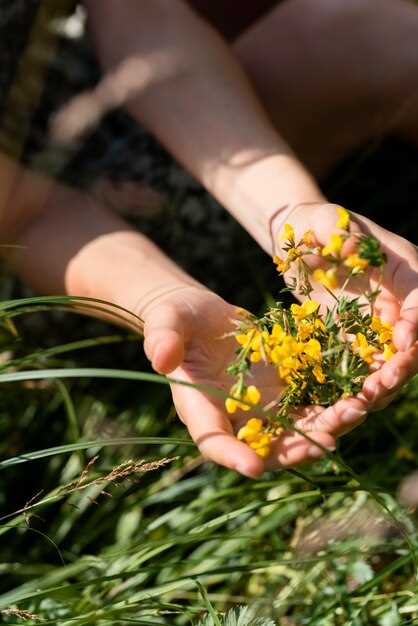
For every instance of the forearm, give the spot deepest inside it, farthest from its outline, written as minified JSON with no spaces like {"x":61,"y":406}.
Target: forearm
{"x":68,"y":243}
{"x":198,"y":101}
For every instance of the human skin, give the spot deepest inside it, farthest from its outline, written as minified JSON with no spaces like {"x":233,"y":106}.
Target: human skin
{"x":200,"y":104}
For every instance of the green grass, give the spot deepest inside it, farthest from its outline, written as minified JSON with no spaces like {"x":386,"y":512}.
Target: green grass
{"x":109,"y":516}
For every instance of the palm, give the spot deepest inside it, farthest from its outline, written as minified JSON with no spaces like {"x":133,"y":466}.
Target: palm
{"x":207,"y":355}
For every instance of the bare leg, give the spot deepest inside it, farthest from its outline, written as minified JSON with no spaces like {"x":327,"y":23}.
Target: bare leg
{"x":334,"y":74}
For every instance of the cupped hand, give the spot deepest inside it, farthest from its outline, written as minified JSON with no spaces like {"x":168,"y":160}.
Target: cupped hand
{"x":397,"y":303}
{"x":185,"y":337}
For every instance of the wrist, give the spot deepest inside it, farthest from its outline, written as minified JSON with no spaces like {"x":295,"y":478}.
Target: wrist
{"x":126,"y":269}
{"x":261,"y":194}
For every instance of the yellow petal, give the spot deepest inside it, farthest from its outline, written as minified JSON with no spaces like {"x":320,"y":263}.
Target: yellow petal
{"x":376,"y":324}
{"x":244,"y":338}
{"x":310,"y":306}
{"x":319,"y":374}
{"x":263,"y":452}
{"x":333,"y":246}
{"x":319,"y":325}
{"x":242,"y":433}
{"x":231,"y":405}
{"x":262,"y":441}
{"x":343,"y":218}
{"x":277,"y":332}
{"x":356,"y":263}
{"x":327,"y":278}
{"x":362,"y":347}
{"x":308,"y":238}
{"x":305,"y":329}
{"x":247,"y":435}
{"x":297,"y":311}
{"x":255,"y":423}
{"x":281,"y":265}
{"x":287,"y":234}
{"x":388,"y":351}
{"x":313,"y":349}
{"x":252,"y":395}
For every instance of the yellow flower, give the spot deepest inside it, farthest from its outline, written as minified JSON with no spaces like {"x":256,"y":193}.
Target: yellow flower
{"x":319,"y":374}
{"x":343,"y":218}
{"x":255,"y":357}
{"x":301,"y":311}
{"x":389,"y":351}
{"x":251,"y":396}
{"x":287,"y":234}
{"x":252,"y":433}
{"x":288,"y":348}
{"x":308,"y":238}
{"x":333,"y":246}
{"x":305,"y":329}
{"x":312,"y":349}
{"x":277,"y":333}
{"x":262,"y":452}
{"x":244,"y":339}
{"x":251,"y":430}
{"x":319,"y":325}
{"x":383,"y":329}
{"x":282,"y":265}
{"x":261,"y":444}
{"x":327,"y":278}
{"x":356,"y":263}
{"x":363,"y":348}
{"x":258,"y":339}
{"x":231,"y":405}
{"x":292,"y":254}
{"x":260,"y":346}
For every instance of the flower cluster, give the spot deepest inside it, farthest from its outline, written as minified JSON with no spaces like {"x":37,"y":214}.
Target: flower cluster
{"x":319,"y":356}
{"x":253,"y":434}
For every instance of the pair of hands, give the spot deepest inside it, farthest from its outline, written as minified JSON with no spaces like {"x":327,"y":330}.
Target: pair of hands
{"x":184,"y":337}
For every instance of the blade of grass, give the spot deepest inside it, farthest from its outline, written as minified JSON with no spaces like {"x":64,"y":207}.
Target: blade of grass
{"x":95,"y":443}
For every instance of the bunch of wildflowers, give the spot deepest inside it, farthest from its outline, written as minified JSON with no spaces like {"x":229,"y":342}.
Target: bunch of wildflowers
{"x":319,"y":357}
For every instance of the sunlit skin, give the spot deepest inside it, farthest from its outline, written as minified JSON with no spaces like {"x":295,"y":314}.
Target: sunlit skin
{"x":201,"y":105}
{"x":203,"y":356}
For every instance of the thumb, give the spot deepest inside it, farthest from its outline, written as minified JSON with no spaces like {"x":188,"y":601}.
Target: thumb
{"x":164,"y":337}
{"x":323,"y":220}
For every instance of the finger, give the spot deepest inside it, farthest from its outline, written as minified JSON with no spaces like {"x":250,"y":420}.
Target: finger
{"x":385,"y":402}
{"x":212,"y":432}
{"x":323,"y":221}
{"x":164,"y":338}
{"x":391,"y":376}
{"x":336,"y":419}
{"x":387,"y":307}
{"x":406,"y":329}
{"x":292,"y":448}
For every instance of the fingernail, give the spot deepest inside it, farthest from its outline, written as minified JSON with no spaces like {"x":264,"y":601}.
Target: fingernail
{"x":393,"y":379}
{"x":352,"y":415}
{"x":315,"y":453}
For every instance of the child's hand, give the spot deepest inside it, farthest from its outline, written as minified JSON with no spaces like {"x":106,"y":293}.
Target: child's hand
{"x":397,"y":304}
{"x":184,"y":337}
